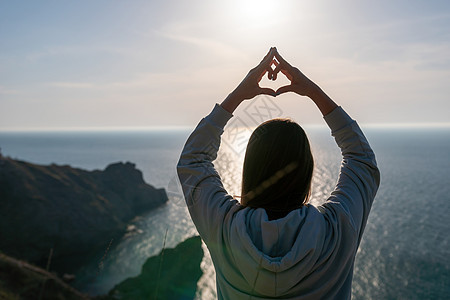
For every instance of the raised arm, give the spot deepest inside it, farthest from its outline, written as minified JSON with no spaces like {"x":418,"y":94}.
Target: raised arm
{"x":207,"y":200}
{"x":359,"y":177}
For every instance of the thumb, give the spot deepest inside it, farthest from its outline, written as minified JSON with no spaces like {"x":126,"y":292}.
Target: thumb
{"x":284,"y":89}
{"x":267,"y":91}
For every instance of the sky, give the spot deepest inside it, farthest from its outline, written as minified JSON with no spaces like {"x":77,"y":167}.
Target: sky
{"x":129,"y":64}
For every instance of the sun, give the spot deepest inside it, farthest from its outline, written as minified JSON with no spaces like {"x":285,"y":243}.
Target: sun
{"x":256,"y":8}
{"x":254,"y":12}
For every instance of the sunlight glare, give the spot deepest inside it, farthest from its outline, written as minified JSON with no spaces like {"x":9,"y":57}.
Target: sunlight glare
{"x":255,"y":13}
{"x":256,"y":8}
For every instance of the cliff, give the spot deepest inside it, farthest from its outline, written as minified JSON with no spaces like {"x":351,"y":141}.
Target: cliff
{"x":72,"y":211}
{"x":21,"y":280}
{"x":173,"y":274}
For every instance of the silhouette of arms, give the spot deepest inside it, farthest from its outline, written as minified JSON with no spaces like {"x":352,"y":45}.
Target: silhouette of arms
{"x":249,"y":87}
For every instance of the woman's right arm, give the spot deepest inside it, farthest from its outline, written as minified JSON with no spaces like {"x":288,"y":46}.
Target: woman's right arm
{"x":359,"y":176}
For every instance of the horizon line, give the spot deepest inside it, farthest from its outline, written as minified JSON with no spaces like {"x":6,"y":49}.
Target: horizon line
{"x":187,"y":127}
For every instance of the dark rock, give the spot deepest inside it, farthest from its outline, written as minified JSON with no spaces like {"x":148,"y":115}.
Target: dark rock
{"x":21,"y":280}
{"x":173,"y":274}
{"x":76,"y":213}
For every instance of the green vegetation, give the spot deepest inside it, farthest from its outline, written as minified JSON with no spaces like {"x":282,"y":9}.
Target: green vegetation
{"x":173,"y":274}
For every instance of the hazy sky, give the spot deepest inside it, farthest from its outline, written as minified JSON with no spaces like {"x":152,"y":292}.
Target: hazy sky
{"x":166,"y":63}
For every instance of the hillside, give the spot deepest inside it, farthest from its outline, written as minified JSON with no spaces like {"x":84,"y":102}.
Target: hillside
{"x":74,"y":212}
{"x":173,"y":274}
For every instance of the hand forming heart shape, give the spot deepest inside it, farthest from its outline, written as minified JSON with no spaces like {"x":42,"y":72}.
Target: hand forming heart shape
{"x":300,"y":84}
{"x":250,"y":88}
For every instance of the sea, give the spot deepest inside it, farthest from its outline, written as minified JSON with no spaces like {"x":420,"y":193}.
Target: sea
{"x":405,"y":250}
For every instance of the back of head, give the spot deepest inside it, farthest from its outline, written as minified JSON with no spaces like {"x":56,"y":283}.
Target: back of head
{"x":278,"y":168}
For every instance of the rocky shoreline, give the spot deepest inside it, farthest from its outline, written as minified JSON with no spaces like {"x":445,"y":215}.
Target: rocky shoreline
{"x":69,"y":212}
{"x":172,"y":274}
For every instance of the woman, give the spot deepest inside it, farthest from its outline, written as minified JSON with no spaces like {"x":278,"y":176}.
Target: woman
{"x":274,"y":244}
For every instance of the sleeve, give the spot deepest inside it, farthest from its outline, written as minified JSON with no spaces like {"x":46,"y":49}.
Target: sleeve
{"x":207,"y":200}
{"x":359,"y":176}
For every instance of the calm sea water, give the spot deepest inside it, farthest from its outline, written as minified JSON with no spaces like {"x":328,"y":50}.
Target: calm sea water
{"x":405,"y":251}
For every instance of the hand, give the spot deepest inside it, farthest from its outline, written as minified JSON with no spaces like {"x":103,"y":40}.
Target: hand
{"x":300,"y":84}
{"x":249,"y":87}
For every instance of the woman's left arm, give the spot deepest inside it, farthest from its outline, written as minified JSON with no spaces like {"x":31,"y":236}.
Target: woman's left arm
{"x":207,"y":200}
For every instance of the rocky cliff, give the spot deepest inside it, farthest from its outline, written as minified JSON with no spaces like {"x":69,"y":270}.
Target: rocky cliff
{"x":21,"y":280}
{"x":173,"y":274}
{"x":74,"y":212}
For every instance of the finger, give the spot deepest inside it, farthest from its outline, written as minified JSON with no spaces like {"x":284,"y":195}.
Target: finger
{"x":270,"y":70}
{"x":275,"y":63}
{"x":284,"y":89}
{"x":268,"y":53}
{"x":262,"y":75}
{"x":280,"y":58}
{"x":279,"y":68}
{"x":267,"y":60}
{"x":274,"y":73}
{"x":283,"y":66}
{"x":267,"y":91}
{"x":271,"y":50}
{"x":269,"y":73}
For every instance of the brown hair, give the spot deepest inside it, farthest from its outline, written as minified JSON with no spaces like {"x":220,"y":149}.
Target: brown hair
{"x":278,"y":168}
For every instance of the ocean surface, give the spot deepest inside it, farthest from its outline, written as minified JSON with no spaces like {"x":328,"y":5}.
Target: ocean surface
{"x":405,"y":251}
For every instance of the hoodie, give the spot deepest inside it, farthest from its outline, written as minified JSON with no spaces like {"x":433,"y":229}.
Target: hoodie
{"x":309,"y":253}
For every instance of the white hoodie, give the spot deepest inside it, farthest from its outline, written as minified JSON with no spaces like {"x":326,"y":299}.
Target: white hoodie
{"x":308,"y":254}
